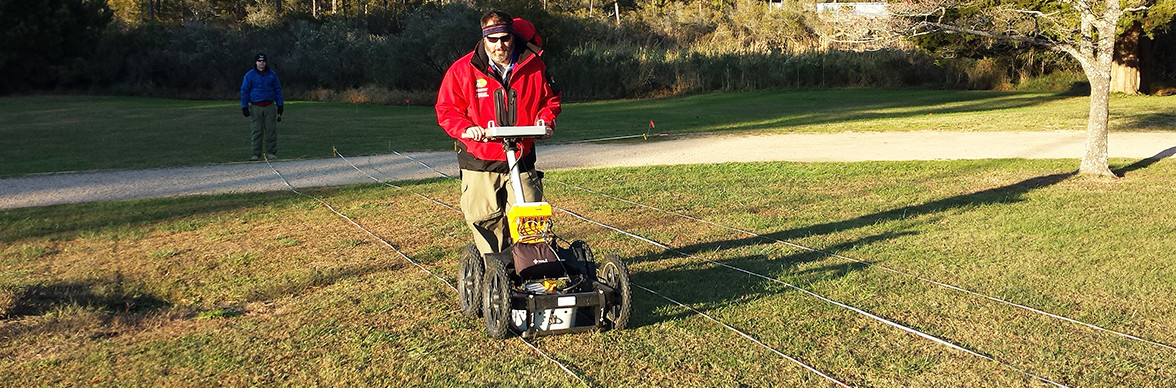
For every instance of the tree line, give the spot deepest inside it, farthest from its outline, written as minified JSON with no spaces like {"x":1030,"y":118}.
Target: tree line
{"x":395,"y":52}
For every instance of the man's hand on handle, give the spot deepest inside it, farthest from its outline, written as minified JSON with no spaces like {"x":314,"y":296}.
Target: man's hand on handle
{"x":474,"y":133}
{"x":550,"y":131}
{"x":477,"y":133}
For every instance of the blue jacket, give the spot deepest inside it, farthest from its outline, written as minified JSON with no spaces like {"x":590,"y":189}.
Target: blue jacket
{"x":258,"y":86}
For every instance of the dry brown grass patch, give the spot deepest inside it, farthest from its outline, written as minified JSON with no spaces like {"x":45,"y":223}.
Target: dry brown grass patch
{"x":7,"y":301}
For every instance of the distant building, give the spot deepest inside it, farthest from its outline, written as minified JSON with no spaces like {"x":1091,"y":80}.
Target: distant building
{"x":863,"y":9}
{"x":857,"y":26}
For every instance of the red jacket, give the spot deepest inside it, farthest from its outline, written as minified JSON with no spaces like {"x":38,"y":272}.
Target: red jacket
{"x":473,"y":94}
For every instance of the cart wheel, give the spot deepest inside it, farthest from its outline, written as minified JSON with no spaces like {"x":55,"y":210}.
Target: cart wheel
{"x":469,"y":290}
{"x":496,"y":299}
{"x":615,"y":274}
{"x":582,"y":251}
{"x":583,"y":254}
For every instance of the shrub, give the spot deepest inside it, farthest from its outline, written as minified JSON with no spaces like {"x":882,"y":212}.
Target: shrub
{"x":43,"y":41}
{"x":401,"y":51}
{"x":1059,"y":81}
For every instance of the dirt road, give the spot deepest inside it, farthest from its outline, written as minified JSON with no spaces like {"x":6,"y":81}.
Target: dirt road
{"x":49,"y":189}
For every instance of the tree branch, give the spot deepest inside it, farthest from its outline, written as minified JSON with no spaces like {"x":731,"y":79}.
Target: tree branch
{"x":1016,"y":38}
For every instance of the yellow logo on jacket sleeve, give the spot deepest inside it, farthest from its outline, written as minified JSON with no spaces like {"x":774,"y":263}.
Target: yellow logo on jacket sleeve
{"x":481,"y":82}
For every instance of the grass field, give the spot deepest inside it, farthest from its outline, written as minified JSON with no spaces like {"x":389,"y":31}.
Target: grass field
{"x":52,"y":134}
{"x":275,"y":289}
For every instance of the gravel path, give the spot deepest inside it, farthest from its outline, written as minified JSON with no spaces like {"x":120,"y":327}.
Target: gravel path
{"x":50,"y":189}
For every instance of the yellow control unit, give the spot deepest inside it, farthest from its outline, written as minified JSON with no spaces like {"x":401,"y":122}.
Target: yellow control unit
{"x":530,"y":222}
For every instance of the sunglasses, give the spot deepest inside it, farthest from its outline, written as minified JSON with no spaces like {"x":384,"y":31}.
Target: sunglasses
{"x":495,"y":39}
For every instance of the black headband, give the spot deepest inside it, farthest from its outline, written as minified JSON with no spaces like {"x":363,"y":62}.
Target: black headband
{"x":495,"y":29}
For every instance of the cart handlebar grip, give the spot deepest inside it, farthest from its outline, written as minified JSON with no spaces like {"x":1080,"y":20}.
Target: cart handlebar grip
{"x":492,"y":129}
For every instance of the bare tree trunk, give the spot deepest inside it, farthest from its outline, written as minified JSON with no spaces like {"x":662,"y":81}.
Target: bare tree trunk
{"x":1093,"y":47}
{"x":1097,"y":126}
{"x":1124,"y":78}
{"x":1125,"y":71}
{"x":1098,"y":52}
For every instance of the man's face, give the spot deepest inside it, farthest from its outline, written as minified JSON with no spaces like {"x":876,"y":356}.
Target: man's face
{"x":260,"y":65}
{"x":498,"y":46}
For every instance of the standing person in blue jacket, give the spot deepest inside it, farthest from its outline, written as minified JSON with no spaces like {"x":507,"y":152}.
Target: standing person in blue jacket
{"x":261,"y":102}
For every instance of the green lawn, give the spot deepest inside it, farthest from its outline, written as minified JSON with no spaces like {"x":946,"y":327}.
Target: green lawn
{"x":275,"y":289}
{"x":51,"y":134}
{"x":267,"y":289}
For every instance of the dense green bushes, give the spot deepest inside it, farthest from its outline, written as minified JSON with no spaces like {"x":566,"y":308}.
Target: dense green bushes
{"x":43,"y":41}
{"x":398,"y":55}
{"x":637,"y":71}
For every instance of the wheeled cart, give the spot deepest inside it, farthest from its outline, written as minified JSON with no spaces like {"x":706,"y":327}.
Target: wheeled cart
{"x":542,"y":284}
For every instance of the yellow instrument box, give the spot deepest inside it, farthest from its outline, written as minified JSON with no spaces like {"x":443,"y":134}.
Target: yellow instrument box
{"x":530,"y":222}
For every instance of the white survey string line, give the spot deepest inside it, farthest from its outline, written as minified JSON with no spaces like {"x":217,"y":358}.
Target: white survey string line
{"x":389,"y":245}
{"x":560,"y":364}
{"x":444,"y":175}
{"x":332,"y":209}
{"x":729,"y":327}
{"x":822,"y":298}
{"x":647,"y":135}
{"x":880,"y":319}
{"x":643,"y":136}
{"x":392,"y":185}
{"x":879,"y":266}
{"x":748,"y":336}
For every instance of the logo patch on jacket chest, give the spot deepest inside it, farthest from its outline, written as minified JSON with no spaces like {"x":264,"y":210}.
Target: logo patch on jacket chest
{"x":481,"y":88}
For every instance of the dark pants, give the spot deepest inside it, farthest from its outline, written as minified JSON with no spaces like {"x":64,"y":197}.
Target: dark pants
{"x":263,"y":120}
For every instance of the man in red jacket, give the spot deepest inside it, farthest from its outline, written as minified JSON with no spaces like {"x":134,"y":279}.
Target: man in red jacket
{"x":503,"y":82}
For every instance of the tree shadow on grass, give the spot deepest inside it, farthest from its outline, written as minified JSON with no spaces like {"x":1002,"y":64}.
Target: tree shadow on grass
{"x":1145,"y":163}
{"x":112,"y":294}
{"x":711,"y":288}
{"x":698,"y":282}
{"x":67,"y":221}
{"x":1007,"y":194}
{"x":1150,"y":122}
{"x":776,"y":110}
{"x":113,"y":303}
{"x":725,"y":286}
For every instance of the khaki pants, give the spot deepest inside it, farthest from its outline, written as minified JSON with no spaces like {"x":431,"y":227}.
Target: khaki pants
{"x":485,"y":198}
{"x":263,"y":125}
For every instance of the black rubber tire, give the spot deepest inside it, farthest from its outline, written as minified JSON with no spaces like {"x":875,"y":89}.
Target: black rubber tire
{"x":583,"y":254}
{"x":582,"y":250}
{"x":496,"y":300}
{"x":469,"y":289}
{"x":615,"y":274}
